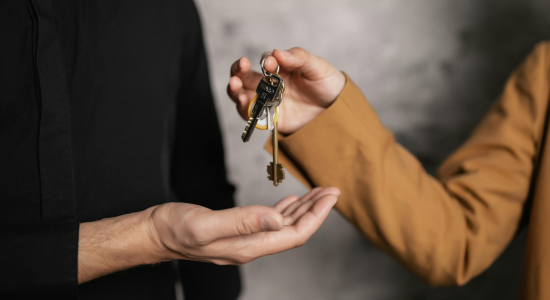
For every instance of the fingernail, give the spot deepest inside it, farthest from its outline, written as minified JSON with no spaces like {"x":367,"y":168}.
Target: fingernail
{"x":269,"y":223}
{"x":285,"y":52}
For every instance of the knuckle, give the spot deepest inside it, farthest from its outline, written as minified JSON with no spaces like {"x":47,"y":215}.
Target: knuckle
{"x":302,"y":52}
{"x":194,"y":233}
{"x":299,"y":50}
{"x":243,"y":224}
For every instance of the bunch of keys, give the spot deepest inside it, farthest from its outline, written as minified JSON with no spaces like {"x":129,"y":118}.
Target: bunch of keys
{"x":263,"y":114}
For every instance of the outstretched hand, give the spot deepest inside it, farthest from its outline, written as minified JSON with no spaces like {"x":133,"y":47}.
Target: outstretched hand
{"x":311,"y":85}
{"x":242,"y":234}
{"x":186,"y":231}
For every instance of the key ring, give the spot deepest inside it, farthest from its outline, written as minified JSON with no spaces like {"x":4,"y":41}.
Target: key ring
{"x":266,"y":73}
{"x":269,"y":74}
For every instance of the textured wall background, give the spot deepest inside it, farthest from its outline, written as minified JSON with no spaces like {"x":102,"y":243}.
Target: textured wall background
{"x":431,"y":69}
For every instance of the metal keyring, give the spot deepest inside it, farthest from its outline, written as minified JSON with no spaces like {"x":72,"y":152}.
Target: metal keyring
{"x":266,"y":73}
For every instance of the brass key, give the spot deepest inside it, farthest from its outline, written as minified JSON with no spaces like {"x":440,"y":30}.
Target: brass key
{"x":275,"y":169}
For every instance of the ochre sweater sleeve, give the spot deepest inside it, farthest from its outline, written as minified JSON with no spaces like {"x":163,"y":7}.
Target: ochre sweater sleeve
{"x":446,"y":229}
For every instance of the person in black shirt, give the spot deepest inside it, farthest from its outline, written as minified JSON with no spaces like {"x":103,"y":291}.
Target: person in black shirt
{"x":105,"y":163}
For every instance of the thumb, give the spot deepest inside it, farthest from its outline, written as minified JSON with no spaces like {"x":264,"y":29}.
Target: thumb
{"x":240,"y":221}
{"x":311,"y":66}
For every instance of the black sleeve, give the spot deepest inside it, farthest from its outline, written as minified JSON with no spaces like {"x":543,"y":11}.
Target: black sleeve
{"x":198,"y":172}
{"x":38,"y":257}
{"x":39,"y":261}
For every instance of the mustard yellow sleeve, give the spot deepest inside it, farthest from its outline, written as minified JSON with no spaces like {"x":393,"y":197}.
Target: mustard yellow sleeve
{"x":446,"y":230}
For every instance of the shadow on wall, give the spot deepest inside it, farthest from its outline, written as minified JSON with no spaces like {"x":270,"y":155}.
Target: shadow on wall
{"x":494,"y":45}
{"x":502,"y":35}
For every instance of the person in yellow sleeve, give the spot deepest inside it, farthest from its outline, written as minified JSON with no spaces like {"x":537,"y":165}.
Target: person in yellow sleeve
{"x":447,"y":229}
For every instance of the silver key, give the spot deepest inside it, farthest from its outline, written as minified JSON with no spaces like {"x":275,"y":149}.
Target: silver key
{"x":269,"y":113}
{"x":267,"y":91}
{"x":271,"y":107}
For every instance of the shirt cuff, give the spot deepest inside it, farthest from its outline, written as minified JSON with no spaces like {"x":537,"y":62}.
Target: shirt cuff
{"x":39,"y":261}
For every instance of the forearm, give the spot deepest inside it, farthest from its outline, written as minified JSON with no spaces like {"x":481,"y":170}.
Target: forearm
{"x":186,"y":231}
{"x":113,"y":244}
{"x":385,"y":192}
{"x":446,"y":232}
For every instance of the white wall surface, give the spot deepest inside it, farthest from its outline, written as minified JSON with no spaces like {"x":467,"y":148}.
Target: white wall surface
{"x":430,"y":68}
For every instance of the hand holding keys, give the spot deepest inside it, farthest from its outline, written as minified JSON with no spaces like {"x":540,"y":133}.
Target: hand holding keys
{"x":265,"y":105}
{"x":312,"y":85}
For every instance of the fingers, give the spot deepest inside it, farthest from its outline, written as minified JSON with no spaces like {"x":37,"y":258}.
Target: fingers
{"x":238,"y":221}
{"x":292,"y":214}
{"x":312,"y":220}
{"x":240,"y":67}
{"x":311,"y":66}
{"x":242,"y":100}
{"x":242,"y":85}
{"x":253,"y":246}
{"x":285,"y":202}
{"x":316,"y":192}
{"x":234,"y":88}
{"x":240,"y":96}
{"x":270,"y":64}
{"x":291,"y":208}
{"x":302,"y":209}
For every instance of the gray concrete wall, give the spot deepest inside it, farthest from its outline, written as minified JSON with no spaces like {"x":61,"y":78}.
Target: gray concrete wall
{"x":430,"y":68}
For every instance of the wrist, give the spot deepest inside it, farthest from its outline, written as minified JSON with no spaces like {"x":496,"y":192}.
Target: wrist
{"x":118,"y":243}
{"x":307,"y":110}
{"x":156,"y":247}
{"x":336,"y":86}
{"x":305,"y":116}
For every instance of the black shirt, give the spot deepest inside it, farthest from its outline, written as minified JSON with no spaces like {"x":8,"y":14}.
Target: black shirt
{"x":105,"y":109}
